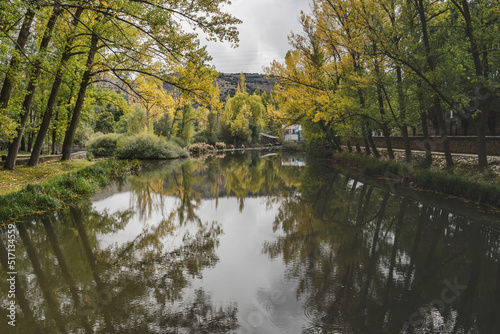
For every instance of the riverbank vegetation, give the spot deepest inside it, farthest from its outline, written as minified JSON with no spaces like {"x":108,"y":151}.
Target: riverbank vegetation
{"x":460,"y":181}
{"x":361,"y":68}
{"x":141,"y":146}
{"x":11,"y":181}
{"x":51,"y":193}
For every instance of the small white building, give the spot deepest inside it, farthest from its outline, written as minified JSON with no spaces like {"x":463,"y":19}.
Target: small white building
{"x":293,"y":133}
{"x":293,"y":162}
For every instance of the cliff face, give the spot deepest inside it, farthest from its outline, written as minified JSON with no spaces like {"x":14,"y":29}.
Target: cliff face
{"x":228,"y":83}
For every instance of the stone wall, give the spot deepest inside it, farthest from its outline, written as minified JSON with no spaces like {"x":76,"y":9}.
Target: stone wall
{"x":466,"y":144}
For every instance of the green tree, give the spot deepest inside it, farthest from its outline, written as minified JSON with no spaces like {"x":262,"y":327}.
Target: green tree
{"x":162,"y":126}
{"x":243,"y":117}
{"x":137,"y":121}
{"x":105,"y":122}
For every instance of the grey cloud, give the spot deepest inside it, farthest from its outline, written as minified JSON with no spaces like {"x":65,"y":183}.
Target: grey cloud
{"x":263,"y":34}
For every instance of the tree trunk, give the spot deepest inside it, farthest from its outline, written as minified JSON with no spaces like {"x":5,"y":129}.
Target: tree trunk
{"x":388,"y":143}
{"x":380,"y":99}
{"x":372,"y":144}
{"x":31,"y":135}
{"x":427,"y":144}
{"x":337,"y":143}
{"x":482,"y":155}
{"x":22,"y":38}
{"x":442,"y":133}
{"x":42,"y":132}
{"x":23,"y":144}
{"x":358,"y":148}
{"x":10,"y":162}
{"x":54,"y":134}
{"x":431,"y":65}
{"x":349,"y":147}
{"x":476,"y":57}
{"x":173,"y":124}
{"x":402,"y":107}
{"x":367,"y":145}
{"x":70,"y":133}
{"x":35,"y":154}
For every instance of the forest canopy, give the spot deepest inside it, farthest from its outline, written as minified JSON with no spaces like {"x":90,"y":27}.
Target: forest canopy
{"x":390,"y":66}
{"x":54,"y":53}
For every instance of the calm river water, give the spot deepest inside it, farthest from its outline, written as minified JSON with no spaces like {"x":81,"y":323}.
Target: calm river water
{"x":254,"y":243}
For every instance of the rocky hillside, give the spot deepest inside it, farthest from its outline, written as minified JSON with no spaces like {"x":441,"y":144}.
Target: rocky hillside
{"x":228,"y":83}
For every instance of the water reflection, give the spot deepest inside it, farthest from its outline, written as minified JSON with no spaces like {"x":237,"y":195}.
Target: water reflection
{"x":69,"y":282}
{"x":247,"y":243}
{"x":366,"y":261}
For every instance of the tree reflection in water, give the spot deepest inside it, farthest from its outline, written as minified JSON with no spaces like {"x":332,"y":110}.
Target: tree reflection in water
{"x":367,"y":261}
{"x":136,"y":287}
{"x":360,"y":258}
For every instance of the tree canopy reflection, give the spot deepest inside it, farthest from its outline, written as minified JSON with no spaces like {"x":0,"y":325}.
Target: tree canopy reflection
{"x":360,"y":258}
{"x":369,"y":261}
{"x":236,"y":175}
{"x":82,"y":286}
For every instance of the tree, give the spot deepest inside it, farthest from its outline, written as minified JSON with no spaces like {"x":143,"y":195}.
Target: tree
{"x":119,"y":38}
{"x":361,"y":66}
{"x":242,"y":118}
{"x":31,"y":88}
{"x":137,"y":120}
{"x":22,"y":38}
{"x":105,"y":122}
{"x":56,"y":85}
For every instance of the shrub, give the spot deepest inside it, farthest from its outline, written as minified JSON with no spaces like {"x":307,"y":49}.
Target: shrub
{"x":178,"y":141}
{"x":200,"y":139}
{"x":205,"y":136}
{"x":199,"y":147}
{"x":220,"y":145}
{"x":148,"y":146}
{"x":293,"y":146}
{"x":103,"y":145}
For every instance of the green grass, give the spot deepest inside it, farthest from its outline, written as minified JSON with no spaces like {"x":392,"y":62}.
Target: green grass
{"x":17,"y":179}
{"x":5,"y":152}
{"x":52,"y":193}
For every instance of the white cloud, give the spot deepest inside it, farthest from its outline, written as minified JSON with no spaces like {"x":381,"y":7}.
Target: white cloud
{"x":263,"y":34}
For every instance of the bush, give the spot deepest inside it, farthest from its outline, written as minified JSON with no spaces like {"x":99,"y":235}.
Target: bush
{"x":178,"y":141}
{"x":103,"y":145}
{"x":200,"y":139}
{"x":220,"y":145}
{"x":205,"y":136}
{"x":293,"y":146}
{"x":199,"y":147}
{"x":148,"y":146}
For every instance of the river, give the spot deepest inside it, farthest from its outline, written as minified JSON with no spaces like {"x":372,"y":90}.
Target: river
{"x":254,"y":243}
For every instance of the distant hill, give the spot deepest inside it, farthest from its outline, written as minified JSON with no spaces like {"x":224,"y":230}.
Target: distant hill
{"x":228,"y":83}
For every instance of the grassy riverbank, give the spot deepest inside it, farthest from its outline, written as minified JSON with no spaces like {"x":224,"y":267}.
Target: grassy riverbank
{"x":17,"y":179}
{"x":47,"y":187}
{"x":463,"y":180}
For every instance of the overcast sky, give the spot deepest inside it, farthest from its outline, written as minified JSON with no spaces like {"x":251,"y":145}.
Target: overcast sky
{"x":263,"y":34}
